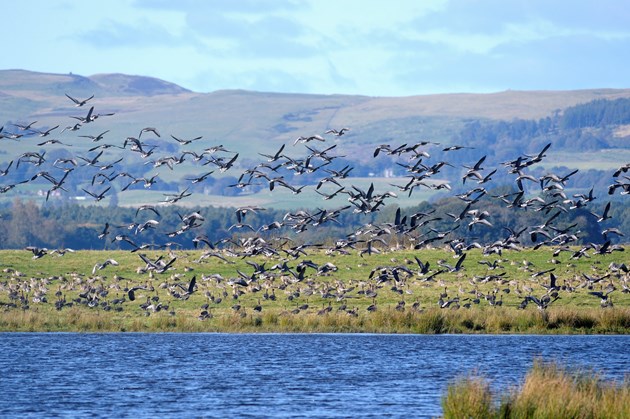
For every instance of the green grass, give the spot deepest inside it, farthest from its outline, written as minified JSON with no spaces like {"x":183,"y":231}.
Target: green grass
{"x":407,"y":306}
{"x":606,"y":159}
{"x":548,"y":391}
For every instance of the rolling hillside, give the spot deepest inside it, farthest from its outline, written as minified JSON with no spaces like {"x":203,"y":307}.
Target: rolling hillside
{"x":250,"y":123}
{"x":257,"y":118}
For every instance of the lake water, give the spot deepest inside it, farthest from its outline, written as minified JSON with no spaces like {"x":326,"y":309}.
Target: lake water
{"x":270,"y":375}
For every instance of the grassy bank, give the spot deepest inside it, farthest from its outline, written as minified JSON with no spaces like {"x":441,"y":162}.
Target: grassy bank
{"x":340,"y":293}
{"x":548,"y":391}
{"x":428,"y":321}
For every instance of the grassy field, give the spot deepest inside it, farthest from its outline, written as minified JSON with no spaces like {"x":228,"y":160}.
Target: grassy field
{"x":548,"y":391}
{"x":601,"y":159}
{"x":336,"y":293}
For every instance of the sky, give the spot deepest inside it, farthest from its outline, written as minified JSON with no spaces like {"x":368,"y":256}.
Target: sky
{"x":364,"y":47}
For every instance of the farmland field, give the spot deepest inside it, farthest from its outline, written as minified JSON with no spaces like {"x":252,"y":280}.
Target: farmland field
{"x":340,"y":293}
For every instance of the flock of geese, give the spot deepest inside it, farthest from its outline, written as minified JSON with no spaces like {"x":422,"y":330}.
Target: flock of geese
{"x":292,"y":275}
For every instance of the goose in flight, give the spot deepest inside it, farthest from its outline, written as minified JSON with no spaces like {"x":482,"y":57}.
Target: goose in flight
{"x":37,"y":251}
{"x":223,"y":167}
{"x":474,"y":171}
{"x":4,"y":172}
{"x":623,"y":184}
{"x":604,"y":215}
{"x":332,"y":195}
{"x":24,"y":127}
{"x":542,"y":303}
{"x":148,"y":129}
{"x":272,"y":158}
{"x":191,"y":285}
{"x":185,"y":142}
{"x":96,"y":138}
{"x":216,"y":148}
{"x":149,"y":208}
{"x":602,"y":295}
{"x":337,"y":133}
{"x":99,"y":266}
{"x":74,"y":127}
{"x":456,"y":147}
{"x":539,"y":156}
{"x":53,"y":141}
{"x":57,"y":184}
{"x":307,"y":139}
{"x":47,"y":132}
{"x":200,"y":239}
{"x":172,"y":198}
{"x":62,"y":251}
{"x":158,"y":265}
{"x":611,"y":230}
{"x":92,"y":161}
{"x":241,"y":212}
{"x":457,"y":266}
{"x":200,"y":178}
{"x":86,"y":119}
{"x":91,"y":116}
{"x":9,"y":135}
{"x":104,"y":232}
{"x":31,"y":157}
{"x":78,"y":102}
{"x":622,"y":169}
{"x":97,"y":196}
{"x":387,"y":148}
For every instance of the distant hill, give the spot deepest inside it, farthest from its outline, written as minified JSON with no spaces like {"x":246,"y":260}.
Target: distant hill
{"x":135,"y":85}
{"x":294,"y":110}
{"x":22,"y":82}
{"x":500,"y":125}
{"x":234,"y":116}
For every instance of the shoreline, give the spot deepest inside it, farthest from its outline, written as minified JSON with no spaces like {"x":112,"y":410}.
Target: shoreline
{"x":560,"y":321}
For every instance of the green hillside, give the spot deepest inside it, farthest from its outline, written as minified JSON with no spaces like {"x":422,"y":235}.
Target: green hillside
{"x":250,"y":123}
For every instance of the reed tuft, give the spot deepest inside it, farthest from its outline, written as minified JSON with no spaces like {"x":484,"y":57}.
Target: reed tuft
{"x":548,"y":391}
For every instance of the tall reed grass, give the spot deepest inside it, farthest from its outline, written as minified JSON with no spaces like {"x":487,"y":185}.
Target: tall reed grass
{"x":559,"y":320}
{"x":548,"y":391}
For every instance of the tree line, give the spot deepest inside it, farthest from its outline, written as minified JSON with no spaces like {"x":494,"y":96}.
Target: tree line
{"x":70,"y":225}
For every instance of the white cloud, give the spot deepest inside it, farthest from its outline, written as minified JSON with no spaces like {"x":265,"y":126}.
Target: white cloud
{"x":324,"y":46}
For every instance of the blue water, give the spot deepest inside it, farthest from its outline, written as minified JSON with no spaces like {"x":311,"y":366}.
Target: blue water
{"x":270,"y":375}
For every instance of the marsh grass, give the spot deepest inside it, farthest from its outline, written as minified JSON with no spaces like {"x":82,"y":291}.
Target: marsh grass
{"x":562,"y":320}
{"x":548,"y":391}
{"x":469,"y":397}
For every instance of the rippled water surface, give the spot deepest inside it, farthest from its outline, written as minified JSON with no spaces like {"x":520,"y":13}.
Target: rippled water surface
{"x":270,"y":375}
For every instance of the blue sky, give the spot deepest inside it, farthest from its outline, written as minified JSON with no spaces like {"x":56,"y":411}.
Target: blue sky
{"x":375,"y":48}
